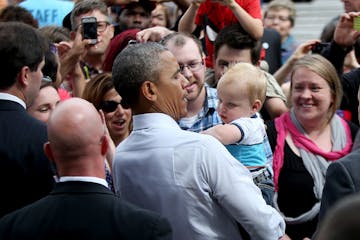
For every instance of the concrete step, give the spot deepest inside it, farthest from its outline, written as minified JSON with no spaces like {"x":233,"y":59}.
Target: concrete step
{"x":311,"y":17}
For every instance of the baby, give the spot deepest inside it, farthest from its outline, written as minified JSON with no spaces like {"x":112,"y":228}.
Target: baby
{"x":241,"y":93}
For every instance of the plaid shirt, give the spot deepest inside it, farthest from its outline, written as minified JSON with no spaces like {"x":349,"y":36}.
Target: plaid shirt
{"x":208,"y":116}
{"x":269,"y":156}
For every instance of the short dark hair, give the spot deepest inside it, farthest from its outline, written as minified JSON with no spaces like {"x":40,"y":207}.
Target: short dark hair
{"x":55,"y":34}
{"x":20,"y":45}
{"x":236,"y":37}
{"x":134,"y":65}
{"x":13,"y":13}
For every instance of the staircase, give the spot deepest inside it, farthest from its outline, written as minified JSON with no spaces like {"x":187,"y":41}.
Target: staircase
{"x":311,"y":17}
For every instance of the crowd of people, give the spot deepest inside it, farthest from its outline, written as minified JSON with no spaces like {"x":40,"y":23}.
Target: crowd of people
{"x":185,"y":119}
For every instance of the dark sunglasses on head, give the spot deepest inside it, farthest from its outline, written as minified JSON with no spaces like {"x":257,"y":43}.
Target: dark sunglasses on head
{"x":111,"y":106}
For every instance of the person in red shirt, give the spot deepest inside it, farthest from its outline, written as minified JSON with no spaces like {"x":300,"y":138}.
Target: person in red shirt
{"x":214,"y":16}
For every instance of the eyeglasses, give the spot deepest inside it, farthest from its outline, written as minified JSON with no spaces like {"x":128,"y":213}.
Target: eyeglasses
{"x":193,"y":67}
{"x":111,"y":106}
{"x":102,"y":25}
{"x":281,"y":18}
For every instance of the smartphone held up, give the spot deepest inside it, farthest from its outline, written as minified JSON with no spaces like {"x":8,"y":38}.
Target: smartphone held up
{"x":357,"y":23}
{"x":89,"y":29}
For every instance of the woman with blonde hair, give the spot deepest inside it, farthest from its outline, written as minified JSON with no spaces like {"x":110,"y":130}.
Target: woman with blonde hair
{"x":305,"y":141}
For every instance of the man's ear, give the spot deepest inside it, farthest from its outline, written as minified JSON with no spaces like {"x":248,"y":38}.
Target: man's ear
{"x":149,"y":90}
{"x":104,"y":145}
{"x":112,"y":30}
{"x":23,"y":77}
{"x":73,"y":35}
{"x":48,"y":151}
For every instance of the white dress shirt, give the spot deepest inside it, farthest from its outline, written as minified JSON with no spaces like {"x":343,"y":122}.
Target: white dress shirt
{"x":193,"y":181}
{"x":13,"y":98}
{"x":97,"y":180}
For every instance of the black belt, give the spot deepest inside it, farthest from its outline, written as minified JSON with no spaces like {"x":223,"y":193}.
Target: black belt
{"x":262,"y":176}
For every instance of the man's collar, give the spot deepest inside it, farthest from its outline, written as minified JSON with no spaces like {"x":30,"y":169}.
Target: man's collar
{"x":84,"y":179}
{"x":13,"y":98}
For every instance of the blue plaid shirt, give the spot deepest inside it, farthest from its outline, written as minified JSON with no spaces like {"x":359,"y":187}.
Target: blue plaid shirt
{"x":269,"y":155}
{"x":208,"y":116}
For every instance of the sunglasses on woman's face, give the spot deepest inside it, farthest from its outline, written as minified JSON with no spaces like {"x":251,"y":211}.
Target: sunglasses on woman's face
{"x":110,"y":106}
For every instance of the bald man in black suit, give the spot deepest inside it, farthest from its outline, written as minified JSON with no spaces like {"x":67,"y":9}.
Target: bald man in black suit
{"x":81,"y":206}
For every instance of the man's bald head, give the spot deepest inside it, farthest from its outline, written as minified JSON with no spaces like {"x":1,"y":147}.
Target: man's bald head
{"x":75,"y":132}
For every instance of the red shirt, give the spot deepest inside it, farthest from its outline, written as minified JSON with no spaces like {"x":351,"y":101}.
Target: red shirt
{"x":216,"y":16}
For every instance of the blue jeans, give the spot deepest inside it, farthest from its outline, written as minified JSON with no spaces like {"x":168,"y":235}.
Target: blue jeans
{"x":267,"y":189}
{"x":263,"y":179}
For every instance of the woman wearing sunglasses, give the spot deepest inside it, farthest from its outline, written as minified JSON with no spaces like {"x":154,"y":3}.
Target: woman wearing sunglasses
{"x":100,"y":91}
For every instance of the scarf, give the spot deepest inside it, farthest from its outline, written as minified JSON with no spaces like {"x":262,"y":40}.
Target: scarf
{"x":315,"y":160}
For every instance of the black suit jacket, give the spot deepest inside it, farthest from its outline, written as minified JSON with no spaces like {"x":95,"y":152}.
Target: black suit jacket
{"x":83,"y":210}
{"x":342,"y":179}
{"x":25,"y":172}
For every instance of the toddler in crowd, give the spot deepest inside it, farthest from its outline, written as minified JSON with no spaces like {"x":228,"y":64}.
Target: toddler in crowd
{"x":241,"y":93}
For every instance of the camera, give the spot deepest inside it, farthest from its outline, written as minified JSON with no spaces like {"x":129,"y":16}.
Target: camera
{"x":319,"y":47}
{"x":89,"y":29}
{"x":356,"y":23}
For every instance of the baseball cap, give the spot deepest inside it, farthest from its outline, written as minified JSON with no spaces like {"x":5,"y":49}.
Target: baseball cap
{"x":146,"y":4}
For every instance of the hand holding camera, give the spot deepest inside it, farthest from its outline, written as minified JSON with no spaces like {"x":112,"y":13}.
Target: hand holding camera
{"x":318,"y":47}
{"x":346,"y":32}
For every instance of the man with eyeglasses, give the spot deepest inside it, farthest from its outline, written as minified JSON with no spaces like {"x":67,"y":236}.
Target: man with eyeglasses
{"x":91,"y":56}
{"x":202,"y":100}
